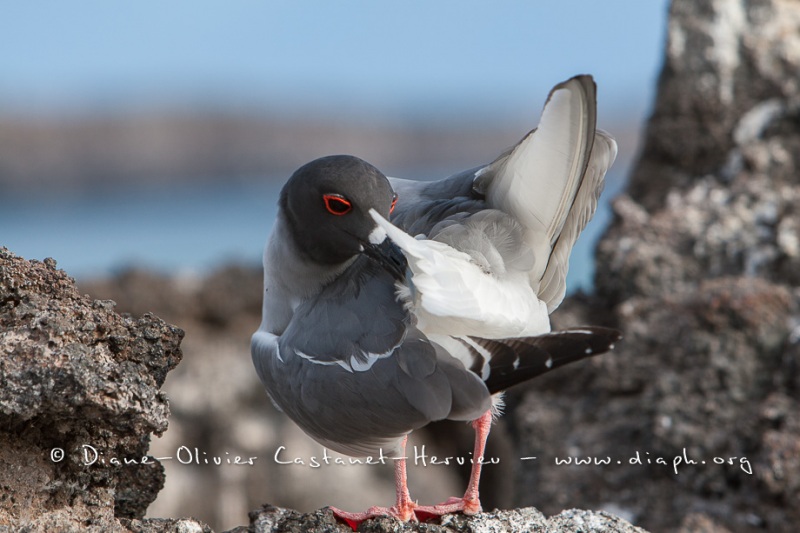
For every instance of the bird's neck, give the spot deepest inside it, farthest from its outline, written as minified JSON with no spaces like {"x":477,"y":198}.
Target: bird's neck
{"x":290,"y":278}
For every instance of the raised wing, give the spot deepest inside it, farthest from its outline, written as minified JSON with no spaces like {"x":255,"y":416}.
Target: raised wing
{"x":553,"y":284}
{"x":549,"y":183}
{"x":551,"y":180}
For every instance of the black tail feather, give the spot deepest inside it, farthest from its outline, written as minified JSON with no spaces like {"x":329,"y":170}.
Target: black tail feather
{"x":516,"y":360}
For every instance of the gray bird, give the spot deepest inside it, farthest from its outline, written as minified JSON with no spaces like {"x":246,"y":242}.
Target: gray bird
{"x":390,"y":304}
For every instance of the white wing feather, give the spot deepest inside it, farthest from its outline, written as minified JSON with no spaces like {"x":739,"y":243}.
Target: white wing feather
{"x":452,"y":295}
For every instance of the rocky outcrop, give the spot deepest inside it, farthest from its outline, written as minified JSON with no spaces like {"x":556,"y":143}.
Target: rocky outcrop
{"x":716,"y":188}
{"x":79,"y":400}
{"x":729,"y":82}
{"x":697,"y":411}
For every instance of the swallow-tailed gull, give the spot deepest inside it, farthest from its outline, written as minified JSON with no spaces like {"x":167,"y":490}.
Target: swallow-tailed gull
{"x":390,"y":304}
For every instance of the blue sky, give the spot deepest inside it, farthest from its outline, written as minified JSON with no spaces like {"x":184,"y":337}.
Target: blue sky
{"x":351,"y":56}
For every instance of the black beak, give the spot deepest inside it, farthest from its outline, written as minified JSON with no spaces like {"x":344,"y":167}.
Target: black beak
{"x":389,"y":256}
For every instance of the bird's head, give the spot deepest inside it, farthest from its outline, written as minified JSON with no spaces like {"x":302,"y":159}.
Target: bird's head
{"x":326,"y":203}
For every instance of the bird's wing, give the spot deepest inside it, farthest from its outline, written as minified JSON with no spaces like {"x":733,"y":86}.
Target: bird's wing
{"x":503,"y":363}
{"x":351,"y":323}
{"x":421,"y":205}
{"x":553,"y":284}
{"x":550,"y":181}
{"x":356,"y":375}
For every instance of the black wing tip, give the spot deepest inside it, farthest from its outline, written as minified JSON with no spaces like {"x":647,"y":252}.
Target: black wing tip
{"x":517,"y":360}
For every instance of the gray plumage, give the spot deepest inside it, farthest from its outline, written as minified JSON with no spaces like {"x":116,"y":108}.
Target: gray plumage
{"x":354,"y":373}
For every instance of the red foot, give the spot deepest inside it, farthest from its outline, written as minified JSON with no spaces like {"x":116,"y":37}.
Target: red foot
{"x":452,"y":505}
{"x":404,"y":514}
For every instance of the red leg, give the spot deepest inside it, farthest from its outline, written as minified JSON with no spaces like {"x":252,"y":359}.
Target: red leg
{"x":403,"y":508}
{"x":470,"y":504}
{"x":482,"y":426}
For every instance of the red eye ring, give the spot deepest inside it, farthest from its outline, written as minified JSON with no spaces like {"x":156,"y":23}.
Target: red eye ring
{"x":337,"y":204}
{"x":394,"y":203}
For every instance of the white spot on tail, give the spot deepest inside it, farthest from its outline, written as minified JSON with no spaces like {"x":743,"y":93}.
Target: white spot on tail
{"x":549,"y":362}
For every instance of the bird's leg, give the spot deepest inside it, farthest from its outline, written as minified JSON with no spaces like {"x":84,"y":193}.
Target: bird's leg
{"x":482,"y":426}
{"x":403,"y":508}
{"x":469,"y":504}
{"x":404,"y":505}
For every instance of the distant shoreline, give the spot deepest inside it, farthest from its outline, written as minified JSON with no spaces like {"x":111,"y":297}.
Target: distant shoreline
{"x":153,"y":146}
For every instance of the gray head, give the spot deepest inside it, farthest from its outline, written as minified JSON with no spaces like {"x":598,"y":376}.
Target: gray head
{"x":326,"y":203}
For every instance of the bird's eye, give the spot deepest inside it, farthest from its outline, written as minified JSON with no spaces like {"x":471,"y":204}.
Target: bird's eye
{"x":337,"y":204}
{"x":394,"y":202}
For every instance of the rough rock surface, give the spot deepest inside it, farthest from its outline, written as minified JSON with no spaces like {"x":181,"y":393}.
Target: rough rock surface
{"x":727,"y":97}
{"x":271,"y":519}
{"x":76,"y":374}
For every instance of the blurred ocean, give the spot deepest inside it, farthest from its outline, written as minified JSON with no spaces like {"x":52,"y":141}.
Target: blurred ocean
{"x":171,"y":228}
{"x":177,"y":228}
